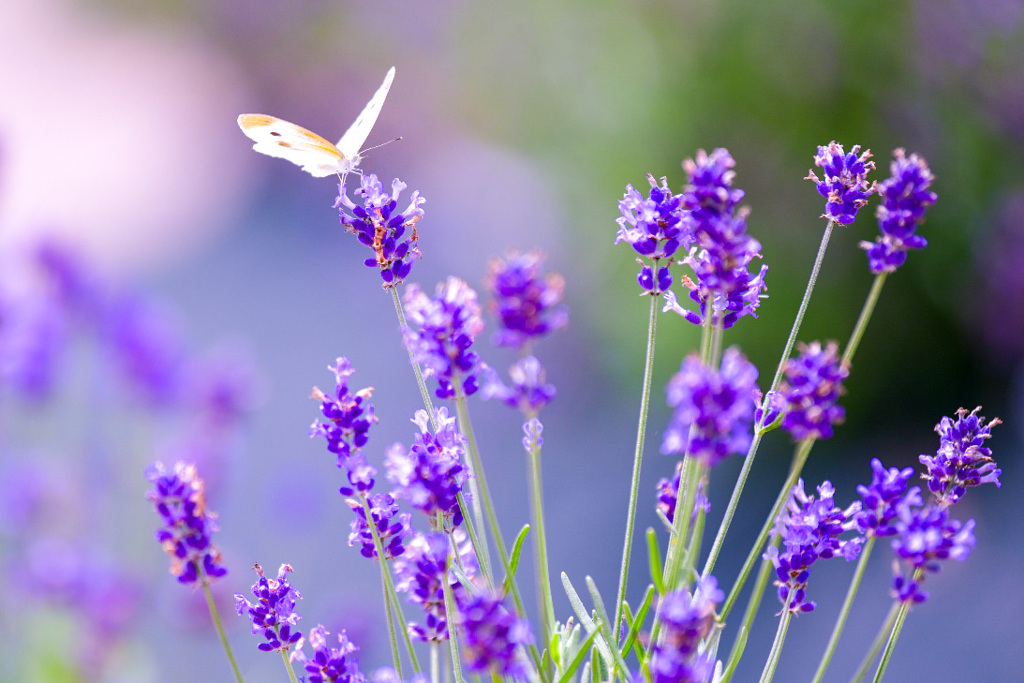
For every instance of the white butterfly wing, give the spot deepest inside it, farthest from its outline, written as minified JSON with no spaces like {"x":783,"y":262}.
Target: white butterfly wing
{"x":352,"y":141}
{"x":279,"y":138}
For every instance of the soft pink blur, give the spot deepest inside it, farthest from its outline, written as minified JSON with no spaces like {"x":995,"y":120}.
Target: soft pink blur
{"x":115,"y":135}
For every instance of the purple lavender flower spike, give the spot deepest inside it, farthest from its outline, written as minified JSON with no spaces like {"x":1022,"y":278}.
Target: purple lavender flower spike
{"x":349,"y":417}
{"x":273,"y":614}
{"x":725,"y":289}
{"x":718,"y":405}
{"x":882,"y":498}
{"x":962,"y":459}
{"x":440,"y":333}
{"x":809,"y":530}
{"x":328,"y":664}
{"x":529,"y":391}
{"x":148,"y":345}
{"x":925,"y":536}
{"x":526,"y":302}
{"x":845,"y":186}
{"x":812,"y":387}
{"x":391,"y":530}
{"x":430,"y":475}
{"x":379,"y":226}
{"x":179,"y":499}
{"x":656,"y":229}
{"x":420,"y":573}
{"x":905,"y":196}
{"x":685,"y":622}
{"x":492,"y":635}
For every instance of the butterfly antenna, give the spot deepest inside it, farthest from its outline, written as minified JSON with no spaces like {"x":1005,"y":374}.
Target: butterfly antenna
{"x":380,"y":145}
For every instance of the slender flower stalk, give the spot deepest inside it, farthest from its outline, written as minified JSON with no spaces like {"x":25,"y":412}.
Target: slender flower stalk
{"x":634,"y":486}
{"x":532,"y":442}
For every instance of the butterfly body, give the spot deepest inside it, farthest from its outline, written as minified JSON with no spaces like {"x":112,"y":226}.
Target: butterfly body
{"x":316,"y":155}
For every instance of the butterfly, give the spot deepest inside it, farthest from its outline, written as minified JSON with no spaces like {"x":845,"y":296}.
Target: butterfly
{"x":278,"y":138}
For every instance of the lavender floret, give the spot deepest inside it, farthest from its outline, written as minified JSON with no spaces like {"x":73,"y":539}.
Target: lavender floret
{"x":656,"y":229}
{"x":526,"y":302}
{"x":925,"y":537}
{"x":492,"y":635}
{"x":882,"y":498}
{"x":328,"y":664}
{"x":392,"y":527}
{"x":349,"y":417}
{"x":685,"y":622}
{"x":812,"y":387}
{"x":430,"y":475}
{"x":963,"y":459}
{"x":845,"y":185}
{"x":273,"y":614}
{"x":379,"y":225}
{"x":717,"y":405}
{"x":440,"y":333}
{"x":179,"y":499}
{"x":905,"y":196}
{"x":810,"y":531}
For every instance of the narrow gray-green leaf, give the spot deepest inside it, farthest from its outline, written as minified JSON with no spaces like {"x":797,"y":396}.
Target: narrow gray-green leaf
{"x":585,"y":620}
{"x":578,"y":658}
{"x":609,"y":630}
{"x":513,"y":560}
{"x":654,"y":561}
{"x":636,"y":625}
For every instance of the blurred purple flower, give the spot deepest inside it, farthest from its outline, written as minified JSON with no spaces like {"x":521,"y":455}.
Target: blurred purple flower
{"x":686,"y":620}
{"x":145,"y":341}
{"x":430,"y":474}
{"x":924,"y":537}
{"x":881,"y":499}
{"x":668,"y":493}
{"x":492,"y":635}
{"x":179,"y":498}
{"x":905,"y":196}
{"x":525,"y":301}
{"x":529,"y":391}
{"x":714,"y":410}
{"x":441,"y":331}
{"x":812,"y":387}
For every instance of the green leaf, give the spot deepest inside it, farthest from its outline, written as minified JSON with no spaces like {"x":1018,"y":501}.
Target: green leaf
{"x":513,"y":560}
{"x":636,"y":625}
{"x":607,"y":628}
{"x":586,"y":620}
{"x":654,"y":561}
{"x":578,"y":658}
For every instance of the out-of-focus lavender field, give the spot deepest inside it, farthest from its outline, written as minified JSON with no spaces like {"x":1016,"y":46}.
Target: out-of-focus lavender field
{"x":166,"y":292}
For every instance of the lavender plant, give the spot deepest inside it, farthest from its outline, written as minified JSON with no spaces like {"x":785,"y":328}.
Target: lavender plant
{"x":450,"y":559}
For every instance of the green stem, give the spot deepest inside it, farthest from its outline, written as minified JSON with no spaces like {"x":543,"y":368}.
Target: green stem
{"x":844,"y":612}
{"x":634,"y":487}
{"x":219,"y":625}
{"x":424,"y":392}
{"x":477,"y":473}
{"x":390,"y":597}
{"x":477,"y":483}
{"x":865,"y":315}
{"x":799,"y":458}
{"x":288,"y":667}
{"x":901,"y":618}
{"x":748,"y":462}
{"x":450,"y":611}
{"x":876,"y":644}
{"x":547,"y":605}
{"x":780,"y":638}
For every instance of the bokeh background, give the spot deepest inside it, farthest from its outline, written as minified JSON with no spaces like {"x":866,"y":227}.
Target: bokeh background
{"x":522,"y":123}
